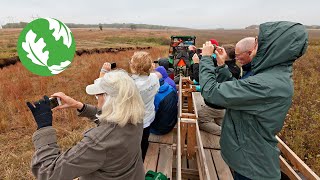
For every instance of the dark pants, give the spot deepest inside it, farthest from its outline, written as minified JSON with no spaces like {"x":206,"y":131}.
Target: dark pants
{"x":238,"y":176}
{"x":145,"y":141}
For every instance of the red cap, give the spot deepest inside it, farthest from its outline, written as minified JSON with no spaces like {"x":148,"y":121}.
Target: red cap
{"x":213,"y":41}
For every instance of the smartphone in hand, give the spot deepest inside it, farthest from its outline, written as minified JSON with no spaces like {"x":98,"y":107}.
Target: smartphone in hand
{"x":113,"y":65}
{"x":54,"y":102}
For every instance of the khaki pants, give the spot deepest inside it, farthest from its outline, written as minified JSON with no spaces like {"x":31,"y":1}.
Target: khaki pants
{"x":210,"y":119}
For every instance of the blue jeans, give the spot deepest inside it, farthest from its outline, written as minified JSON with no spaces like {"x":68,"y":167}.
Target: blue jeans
{"x":238,"y":176}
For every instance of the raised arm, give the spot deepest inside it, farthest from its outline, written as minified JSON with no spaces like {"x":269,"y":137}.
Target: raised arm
{"x":237,"y":94}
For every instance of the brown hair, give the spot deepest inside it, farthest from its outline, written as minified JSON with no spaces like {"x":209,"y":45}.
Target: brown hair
{"x":230,"y":49}
{"x":141,"y":63}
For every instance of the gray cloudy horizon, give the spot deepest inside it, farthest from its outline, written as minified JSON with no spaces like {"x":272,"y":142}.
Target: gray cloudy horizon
{"x":204,"y":14}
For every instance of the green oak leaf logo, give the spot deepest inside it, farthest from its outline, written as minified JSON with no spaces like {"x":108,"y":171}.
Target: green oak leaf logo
{"x":46,"y":46}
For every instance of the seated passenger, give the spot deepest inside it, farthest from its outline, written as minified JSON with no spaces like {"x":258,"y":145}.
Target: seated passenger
{"x":210,"y":116}
{"x":166,"y":64}
{"x":165,"y":77}
{"x":165,"y":103}
{"x":141,"y":64}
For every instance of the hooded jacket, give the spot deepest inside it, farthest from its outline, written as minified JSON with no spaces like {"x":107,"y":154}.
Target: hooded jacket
{"x":165,"y":76}
{"x":165,"y":103}
{"x":257,"y":106}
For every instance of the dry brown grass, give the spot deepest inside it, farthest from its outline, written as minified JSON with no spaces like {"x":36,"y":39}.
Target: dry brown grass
{"x":16,"y":122}
{"x":302,"y":127}
{"x":17,"y":85}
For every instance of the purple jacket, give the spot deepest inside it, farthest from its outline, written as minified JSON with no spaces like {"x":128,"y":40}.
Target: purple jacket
{"x":165,"y":76}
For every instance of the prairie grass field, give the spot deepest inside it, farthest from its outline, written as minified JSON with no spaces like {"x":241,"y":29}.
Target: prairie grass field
{"x":301,"y":131}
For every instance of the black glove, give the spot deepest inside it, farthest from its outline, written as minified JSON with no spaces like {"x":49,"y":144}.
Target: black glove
{"x":42,"y":112}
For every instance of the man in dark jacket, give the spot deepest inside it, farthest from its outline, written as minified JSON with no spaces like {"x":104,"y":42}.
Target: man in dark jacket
{"x":165,"y":103}
{"x":256,"y":106}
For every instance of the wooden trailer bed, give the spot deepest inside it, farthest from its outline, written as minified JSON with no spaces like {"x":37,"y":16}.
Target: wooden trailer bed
{"x":188,"y":153}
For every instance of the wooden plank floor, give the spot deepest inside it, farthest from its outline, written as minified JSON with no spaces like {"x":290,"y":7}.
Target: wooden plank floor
{"x":161,"y":156}
{"x":163,"y":139}
{"x":218,"y":169}
{"x":210,"y":141}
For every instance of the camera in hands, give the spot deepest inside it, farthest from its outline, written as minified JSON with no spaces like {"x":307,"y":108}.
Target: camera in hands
{"x":54,"y":102}
{"x":113,"y":65}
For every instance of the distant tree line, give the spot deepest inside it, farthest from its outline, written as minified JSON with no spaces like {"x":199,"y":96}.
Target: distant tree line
{"x":313,"y":27}
{"x":113,"y":25}
{"x":125,"y":25}
{"x":15,"y":25}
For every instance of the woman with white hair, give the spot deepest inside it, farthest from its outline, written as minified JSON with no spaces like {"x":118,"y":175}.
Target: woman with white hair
{"x":108,"y":151}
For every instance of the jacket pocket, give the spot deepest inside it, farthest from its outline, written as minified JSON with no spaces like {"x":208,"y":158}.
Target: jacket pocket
{"x":263,"y":158}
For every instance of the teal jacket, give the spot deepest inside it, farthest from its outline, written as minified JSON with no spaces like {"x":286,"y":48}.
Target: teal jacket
{"x":256,"y":106}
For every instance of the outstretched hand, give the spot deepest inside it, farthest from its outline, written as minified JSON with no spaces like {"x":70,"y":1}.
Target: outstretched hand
{"x":106,"y":67}
{"x":195,"y":58}
{"x":221,"y":53}
{"x":207,"y":49}
{"x":192,"y":48}
{"x":221,"y":56}
{"x":41,"y":112}
{"x":67,"y":101}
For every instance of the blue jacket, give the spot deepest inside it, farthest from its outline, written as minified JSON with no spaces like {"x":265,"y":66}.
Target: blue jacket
{"x":247,"y":69}
{"x":165,"y":103}
{"x":166,"y":78}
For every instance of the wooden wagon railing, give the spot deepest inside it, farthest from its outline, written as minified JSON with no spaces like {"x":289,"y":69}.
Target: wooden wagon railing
{"x":188,"y":153}
{"x":297,"y":165}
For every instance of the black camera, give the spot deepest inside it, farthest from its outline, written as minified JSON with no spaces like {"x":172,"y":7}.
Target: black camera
{"x":214,"y":48}
{"x":54,"y":102}
{"x":199,"y":51}
{"x":113,"y":65}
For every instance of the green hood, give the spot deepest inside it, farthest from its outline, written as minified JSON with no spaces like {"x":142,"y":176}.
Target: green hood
{"x":279,"y":43}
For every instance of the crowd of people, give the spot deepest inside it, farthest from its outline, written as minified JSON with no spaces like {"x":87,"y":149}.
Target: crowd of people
{"x":247,"y":90}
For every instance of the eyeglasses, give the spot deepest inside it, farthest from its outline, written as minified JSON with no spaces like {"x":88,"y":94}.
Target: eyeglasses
{"x":237,"y":55}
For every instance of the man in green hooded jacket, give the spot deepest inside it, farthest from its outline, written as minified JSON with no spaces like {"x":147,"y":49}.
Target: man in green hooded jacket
{"x":256,"y":106}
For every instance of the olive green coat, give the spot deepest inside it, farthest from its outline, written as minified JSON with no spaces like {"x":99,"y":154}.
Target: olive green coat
{"x":256,"y":106}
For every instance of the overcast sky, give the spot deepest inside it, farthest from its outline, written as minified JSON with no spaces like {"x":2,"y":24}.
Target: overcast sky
{"x":204,"y":14}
